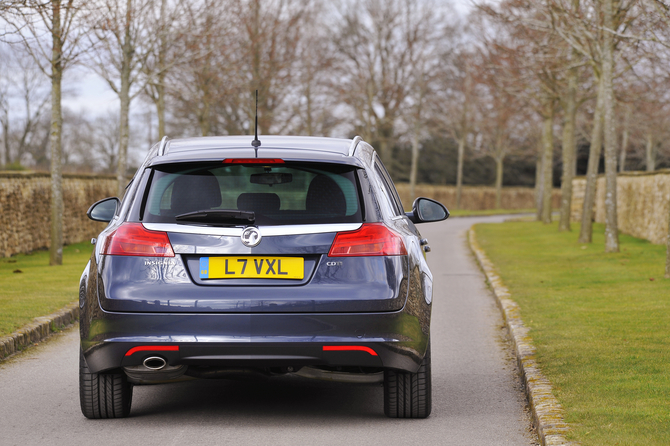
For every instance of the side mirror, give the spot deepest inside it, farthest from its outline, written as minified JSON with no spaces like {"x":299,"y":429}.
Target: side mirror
{"x":103,"y":210}
{"x":425,"y":210}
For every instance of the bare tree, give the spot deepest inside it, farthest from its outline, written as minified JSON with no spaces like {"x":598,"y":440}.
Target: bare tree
{"x":375,"y":63}
{"x":106,"y":141}
{"x":595,"y":149}
{"x":270,"y":35}
{"x":166,"y":25}
{"x":598,"y":29}
{"x":611,"y":222}
{"x":540,"y":60}
{"x":257,"y":49}
{"x":570,"y":102}
{"x":51,"y":33}
{"x":625,"y":135}
{"x":455,"y":101}
{"x":207,"y":76}
{"x":4,"y":111}
{"x":123,"y":45}
{"x":23,"y":93}
{"x":500,"y":111}
{"x":314,"y":108}
{"x":424,"y":82}
{"x":419,"y":91}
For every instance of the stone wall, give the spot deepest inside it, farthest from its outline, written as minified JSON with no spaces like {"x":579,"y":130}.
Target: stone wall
{"x":643,"y":199}
{"x":25,"y":209}
{"x":476,"y":198}
{"x":25,"y":205}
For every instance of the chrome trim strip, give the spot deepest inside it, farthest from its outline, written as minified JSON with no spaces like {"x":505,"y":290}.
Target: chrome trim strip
{"x":354,"y":143}
{"x":266,"y":231}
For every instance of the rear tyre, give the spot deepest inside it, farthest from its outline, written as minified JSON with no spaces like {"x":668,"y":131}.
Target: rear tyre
{"x":103,"y":395}
{"x":408,"y":395}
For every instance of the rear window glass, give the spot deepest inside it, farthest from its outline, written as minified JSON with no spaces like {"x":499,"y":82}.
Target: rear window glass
{"x":278,"y":194}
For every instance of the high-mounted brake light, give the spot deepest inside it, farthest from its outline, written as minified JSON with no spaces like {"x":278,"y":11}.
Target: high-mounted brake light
{"x":371,"y":239}
{"x":132,"y":239}
{"x":253,"y":161}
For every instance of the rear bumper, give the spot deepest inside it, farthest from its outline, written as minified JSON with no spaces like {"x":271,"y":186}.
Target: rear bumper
{"x":394,"y":340}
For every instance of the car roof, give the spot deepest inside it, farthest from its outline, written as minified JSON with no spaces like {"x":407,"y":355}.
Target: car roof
{"x":299,"y":148}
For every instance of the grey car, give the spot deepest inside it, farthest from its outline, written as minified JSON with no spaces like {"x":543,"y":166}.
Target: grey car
{"x":227,"y":260}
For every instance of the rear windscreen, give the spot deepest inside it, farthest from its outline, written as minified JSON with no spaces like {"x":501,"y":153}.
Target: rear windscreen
{"x":278,"y":194}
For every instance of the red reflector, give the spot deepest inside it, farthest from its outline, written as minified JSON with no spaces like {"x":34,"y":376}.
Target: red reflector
{"x":253,"y":161}
{"x":132,"y":239}
{"x":371,"y":239}
{"x":348,"y":348}
{"x":153,"y":348}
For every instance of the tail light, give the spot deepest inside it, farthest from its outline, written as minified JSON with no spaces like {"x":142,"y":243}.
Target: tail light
{"x":153,"y":348}
{"x":371,"y":239}
{"x":132,"y":239}
{"x":346,"y":348}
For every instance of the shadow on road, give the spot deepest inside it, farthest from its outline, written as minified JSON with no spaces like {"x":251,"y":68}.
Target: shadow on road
{"x":257,"y":399}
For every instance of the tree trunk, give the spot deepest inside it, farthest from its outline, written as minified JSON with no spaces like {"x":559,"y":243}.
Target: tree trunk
{"x":160,"y":86}
{"x":308,"y":97}
{"x":415,"y":161}
{"x":611,"y":223}
{"x":624,"y":141}
{"x":569,"y":149}
{"x":5,"y":131}
{"x":459,"y":171}
{"x":160,"y":106}
{"x":124,"y":97}
{"x":499,"y":179}
{"x":586,"y":229}
{"x":667,"y":250}
{"x":547,"y":161}
{"x":385,"y":153}
{"x":539,"y":183}
{"x":649,"y":152}
{"x":56,"y":233}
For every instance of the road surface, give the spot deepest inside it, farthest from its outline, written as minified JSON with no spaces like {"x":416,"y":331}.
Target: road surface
{"x":477,"y":396}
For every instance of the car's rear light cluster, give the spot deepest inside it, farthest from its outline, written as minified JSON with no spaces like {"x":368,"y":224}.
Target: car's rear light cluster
{"x":153,"y":348}
{"x":371,"y":239}
{"x":349,"y":348}
{"x":133,"y":239}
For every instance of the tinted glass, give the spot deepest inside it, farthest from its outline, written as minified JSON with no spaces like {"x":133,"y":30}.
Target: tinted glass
{"x":393,"y":197}
{"x":278,"y":194}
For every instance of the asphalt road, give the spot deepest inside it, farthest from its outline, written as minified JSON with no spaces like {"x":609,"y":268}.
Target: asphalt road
{"x":477,"y":398}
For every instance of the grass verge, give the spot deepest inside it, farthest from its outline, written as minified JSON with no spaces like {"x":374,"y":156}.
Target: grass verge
{"x":31,"y":288}
{"x":600,"y":323}
{"x":467,"y":213}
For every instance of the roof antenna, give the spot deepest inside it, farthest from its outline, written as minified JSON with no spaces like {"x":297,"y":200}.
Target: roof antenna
{"x":256,"y":142}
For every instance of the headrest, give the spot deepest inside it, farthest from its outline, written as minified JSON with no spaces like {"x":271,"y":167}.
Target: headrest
{"x":195,"y":192}
{"x":324,"y":196}
{"x":262,"y":203}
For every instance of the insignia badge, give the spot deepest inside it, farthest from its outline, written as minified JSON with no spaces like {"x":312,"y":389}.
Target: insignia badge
{"x":251,"y":237}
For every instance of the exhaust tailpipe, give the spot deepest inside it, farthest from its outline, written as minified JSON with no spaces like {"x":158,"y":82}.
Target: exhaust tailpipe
{"x":154,"y":363}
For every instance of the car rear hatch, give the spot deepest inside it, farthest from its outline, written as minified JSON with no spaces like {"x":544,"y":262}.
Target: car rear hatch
{"x":251,"y":237}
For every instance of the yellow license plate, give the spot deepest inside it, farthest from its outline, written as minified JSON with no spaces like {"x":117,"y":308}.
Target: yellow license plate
{"x":252,"y":267}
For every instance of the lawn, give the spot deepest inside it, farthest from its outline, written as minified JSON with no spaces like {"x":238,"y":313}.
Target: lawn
{"x":30,"y":287}
{"x":467,"y":213}
{"x":601,"y":325}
